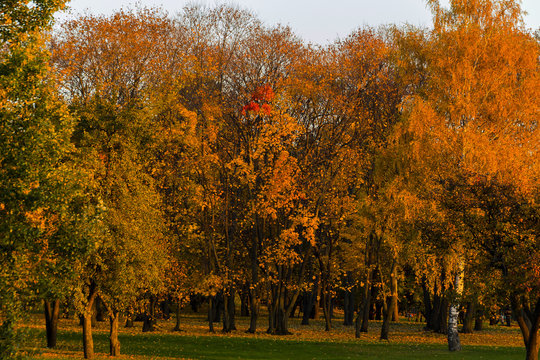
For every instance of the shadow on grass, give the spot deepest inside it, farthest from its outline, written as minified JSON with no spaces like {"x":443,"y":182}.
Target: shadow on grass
{"x":172,"y":346}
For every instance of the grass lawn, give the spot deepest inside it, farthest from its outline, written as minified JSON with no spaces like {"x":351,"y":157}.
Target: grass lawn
{"x":408,"y":341}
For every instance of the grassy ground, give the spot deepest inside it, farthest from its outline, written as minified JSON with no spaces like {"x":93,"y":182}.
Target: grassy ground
{"x":408,"y":341}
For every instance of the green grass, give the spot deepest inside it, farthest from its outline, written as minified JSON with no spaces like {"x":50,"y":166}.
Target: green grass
{"x":171,"y":346}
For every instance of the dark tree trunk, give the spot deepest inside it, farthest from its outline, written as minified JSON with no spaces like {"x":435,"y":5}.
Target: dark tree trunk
{"x":435,"y":313}
{"x":362,"y":318}
{"x":232,"y":311}
{"x":129,"y":320}
{"x":52,"y":310}
{"x":278,"y":312}
{"x":244,"y":302}
{"x":348,"y":307}
{"x":479,"y":320}
{"x":316,"y":301}
{"x":150,"y":316}
{"x":327,"y":310}
{"x":375,"y":307}
{"x":114,"y":343}
{"x":100,"y":311}
{"x":295,"y":306}
{"x":469,"y":318}
{"x":178,"y":308}
{"x":228,"y":312}
{"x":428,"y":309}
{"x":529,"y":323}
{"x":307,"y":307}
{"x":217,"y":307}
{"x":443,"y":317}
{"x":385,"y":329}
{"x":211,"y":314}
{"x":254,"y":312}
{"x":532,"y":348}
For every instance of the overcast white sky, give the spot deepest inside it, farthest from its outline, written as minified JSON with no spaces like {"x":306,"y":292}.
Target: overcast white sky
{"x":318,"y":21}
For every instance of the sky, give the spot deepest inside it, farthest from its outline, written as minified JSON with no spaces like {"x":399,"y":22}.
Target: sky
{"x":316,"y":21}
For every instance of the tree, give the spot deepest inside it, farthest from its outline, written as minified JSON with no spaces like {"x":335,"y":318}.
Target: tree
{"x":478,"y":118}
{"x":36,"y":176}
{"x":113,"y":129}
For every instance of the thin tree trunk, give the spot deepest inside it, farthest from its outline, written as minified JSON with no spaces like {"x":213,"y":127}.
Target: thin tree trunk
{"x":244,"y":302}
{"x":178,"y":308}
{"x":454,"y":344}
{"x":254,"y":312}
{"x":51,"y":321}
{"x":436,"y":311}
{"x":316,"y":301}
{"x":385,"y":329}
{"x":211,"y":314}
{"x":88,"y":341}
{"x":228,"y":312}
{"x":394,"y":287}
{"x":362,"y":319}
{"x":129,"y":320}
{"x":348,"y":318}
{"x":327,"y":304}
{"x":114,"y":343}
{"x":232,"y":311}
{"x":428,"y":309}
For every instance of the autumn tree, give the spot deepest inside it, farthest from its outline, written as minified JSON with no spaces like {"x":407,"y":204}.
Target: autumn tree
{"x":479,"y":115}
{"x":39,"y":185}
{"x":113,"y":128}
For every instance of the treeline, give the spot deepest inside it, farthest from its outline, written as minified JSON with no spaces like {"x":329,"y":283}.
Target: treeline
{"x":209,"y":156}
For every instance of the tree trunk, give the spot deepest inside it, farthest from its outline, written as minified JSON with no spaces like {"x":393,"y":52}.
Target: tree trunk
{"x":244,"y":302}
{"x":453,"y":335}
{"x":443,"y":316}
{"x":468,"y":320}
{"x":348,"y":307}
{"x":307,"y":307}
{"x":211,"y":314}
{"x":529,"y":323}
{"x":88,"y":341}
{"x":395,"y":308}
{"x":385,"y":329}
{"x":51,"y":321}
{"x":114,"y":344}
{"x":428,"y":309}
{"x":532,"y":348}
{"x":129,"y":320}
{"x":436,"y":312}
{"x":178,"y":308}
{"x":228,"y":312}
{"x":479,"y":321}
{"x":327,"y":311}
{"x":100,"y":313}
{"x":362,"y":319}
{"x":253,"y":311}
{"x":454,"y":344}
{"x":316,"y":301}
{"x":150,"y":316}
